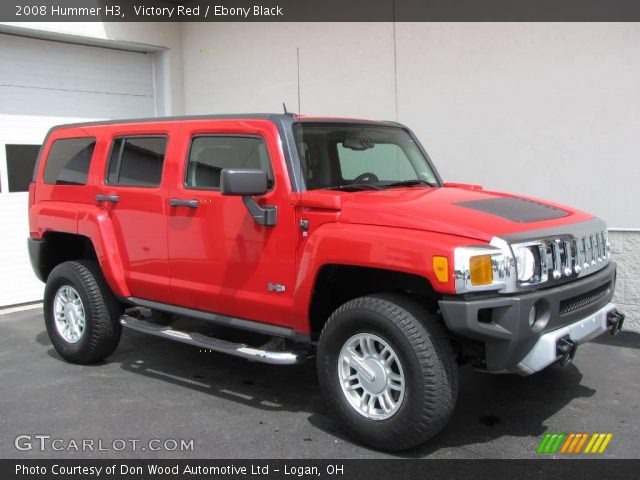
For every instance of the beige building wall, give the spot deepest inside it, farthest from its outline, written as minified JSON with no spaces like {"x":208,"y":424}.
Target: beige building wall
{"x":550,"y":110}
{"x":345,"y":68}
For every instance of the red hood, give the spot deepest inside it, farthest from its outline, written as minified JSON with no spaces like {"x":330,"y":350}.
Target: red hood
{"x":435,"y":210}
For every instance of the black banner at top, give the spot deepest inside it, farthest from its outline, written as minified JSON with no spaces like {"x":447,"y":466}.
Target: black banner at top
{"x":318,"y":10}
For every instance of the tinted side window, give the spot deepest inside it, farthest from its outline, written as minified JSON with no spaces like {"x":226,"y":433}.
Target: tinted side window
{"x":137,"y":161}
{"x":68,"y":161}
{"x":209,"y":155}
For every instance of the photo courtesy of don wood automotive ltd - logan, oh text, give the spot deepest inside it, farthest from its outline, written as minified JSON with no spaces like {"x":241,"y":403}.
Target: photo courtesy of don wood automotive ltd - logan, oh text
{"x":277,"y":239}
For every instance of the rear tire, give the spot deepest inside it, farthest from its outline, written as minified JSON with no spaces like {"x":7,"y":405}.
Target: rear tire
{"x":81,"y":313}
{"x":422,"y":378}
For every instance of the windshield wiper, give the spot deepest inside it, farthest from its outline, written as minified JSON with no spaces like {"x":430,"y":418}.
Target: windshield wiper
{"x":409,"y":183}
{"x":355,"y":187}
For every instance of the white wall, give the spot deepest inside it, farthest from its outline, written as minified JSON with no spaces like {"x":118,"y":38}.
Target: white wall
{"x":550,"y":110}
{"x":27,"y":114}
{"x":163,"y":39}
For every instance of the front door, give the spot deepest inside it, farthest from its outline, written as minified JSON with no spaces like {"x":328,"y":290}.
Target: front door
{"x":220,"y":259}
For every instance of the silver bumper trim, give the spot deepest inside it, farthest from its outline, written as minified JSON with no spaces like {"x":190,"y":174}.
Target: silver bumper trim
{"x":544,"y":352}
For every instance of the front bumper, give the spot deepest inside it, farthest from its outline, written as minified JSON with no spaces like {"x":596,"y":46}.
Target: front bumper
{"x":546,"y":350}
{"x":578,"y":310}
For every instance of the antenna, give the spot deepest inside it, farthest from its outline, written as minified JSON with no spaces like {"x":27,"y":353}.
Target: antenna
{"x":286,"y":112}
{"x":298,"y":62}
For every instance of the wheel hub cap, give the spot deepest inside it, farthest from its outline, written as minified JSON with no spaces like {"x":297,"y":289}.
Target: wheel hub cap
{"x":371,"y":376}
{"x":68,"y":313}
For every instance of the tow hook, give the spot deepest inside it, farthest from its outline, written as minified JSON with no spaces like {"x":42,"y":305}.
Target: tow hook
{"x":566,"y":349}
{"x":615,"y":319}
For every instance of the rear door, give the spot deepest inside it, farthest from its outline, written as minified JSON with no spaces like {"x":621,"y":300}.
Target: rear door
{"x":134,"y":195}
{"x":220,"y":259}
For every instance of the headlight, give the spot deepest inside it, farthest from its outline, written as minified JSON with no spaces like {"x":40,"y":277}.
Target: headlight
{"x":482,"y":267}
{"x":525,"y":263}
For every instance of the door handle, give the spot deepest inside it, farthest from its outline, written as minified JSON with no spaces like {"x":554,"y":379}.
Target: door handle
{"x":107,"y":198}
{"x":176,"y":202}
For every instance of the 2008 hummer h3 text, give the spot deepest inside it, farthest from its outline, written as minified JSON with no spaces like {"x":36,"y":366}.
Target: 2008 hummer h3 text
{"x":311,"y":236}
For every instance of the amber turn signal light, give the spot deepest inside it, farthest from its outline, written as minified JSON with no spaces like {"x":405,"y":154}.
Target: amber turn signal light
{"x":480,"y":271}
{"x":441,"y":269}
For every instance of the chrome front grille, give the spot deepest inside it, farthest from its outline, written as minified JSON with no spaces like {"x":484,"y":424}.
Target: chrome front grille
{"x":567,"y":256}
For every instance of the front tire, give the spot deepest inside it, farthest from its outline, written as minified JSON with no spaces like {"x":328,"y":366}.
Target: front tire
{"x":387,"y":369}
{"x":81,"y":313}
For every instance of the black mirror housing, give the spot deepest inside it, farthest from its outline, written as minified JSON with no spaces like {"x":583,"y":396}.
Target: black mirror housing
{"x":248,"y":182}
{"x":243,"y":182}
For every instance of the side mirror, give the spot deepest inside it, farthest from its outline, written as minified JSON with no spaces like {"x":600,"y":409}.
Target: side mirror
{"x":246,"y":183}
{"x":243,"y":181}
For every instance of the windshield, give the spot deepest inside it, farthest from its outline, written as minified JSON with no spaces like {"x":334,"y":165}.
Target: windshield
{"x":360,"y":157}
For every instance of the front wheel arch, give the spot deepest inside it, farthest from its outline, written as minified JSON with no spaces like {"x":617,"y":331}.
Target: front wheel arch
{"x":336,"y":284}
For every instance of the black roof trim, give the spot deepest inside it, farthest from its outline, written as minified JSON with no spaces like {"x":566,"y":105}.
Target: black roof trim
{"x":231,"y":116}
{"x":122,"y":121}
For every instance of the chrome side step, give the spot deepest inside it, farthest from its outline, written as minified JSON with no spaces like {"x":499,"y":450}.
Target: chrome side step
{"x":218,"y":345}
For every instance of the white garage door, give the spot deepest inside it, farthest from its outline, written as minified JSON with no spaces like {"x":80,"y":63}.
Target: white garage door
{"x":45,"y":83}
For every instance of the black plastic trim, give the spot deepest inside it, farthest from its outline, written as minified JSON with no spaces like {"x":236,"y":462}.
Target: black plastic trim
{"x":224,"y":320}
{"x":36,"y":256}
{"x":177,"y":202}
{"x":266,"y":216}
{"x":243,"y":181}
{"x":508,"y":337}
{"x":107,"y":198}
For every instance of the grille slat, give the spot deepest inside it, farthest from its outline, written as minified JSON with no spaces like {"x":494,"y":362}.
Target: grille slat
{"x":584,"y":300}
{"x":568,"y":256}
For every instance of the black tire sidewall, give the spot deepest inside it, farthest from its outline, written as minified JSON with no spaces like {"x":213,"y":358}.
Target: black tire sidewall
{"x":364,"y":320}
{"x":53,"y":285}
{"x":96,"y":309}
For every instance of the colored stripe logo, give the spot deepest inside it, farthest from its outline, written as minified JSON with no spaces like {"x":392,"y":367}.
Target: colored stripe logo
{"x":573,"y":443}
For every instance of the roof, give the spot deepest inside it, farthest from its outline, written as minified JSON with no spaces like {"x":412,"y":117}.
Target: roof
{"x":275,"y":117}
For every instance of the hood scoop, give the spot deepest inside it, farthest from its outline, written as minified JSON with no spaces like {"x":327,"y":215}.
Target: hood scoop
{"x":515,"y":209}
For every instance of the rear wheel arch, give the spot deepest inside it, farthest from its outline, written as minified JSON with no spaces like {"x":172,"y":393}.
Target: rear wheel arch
{"x":59,"y":247}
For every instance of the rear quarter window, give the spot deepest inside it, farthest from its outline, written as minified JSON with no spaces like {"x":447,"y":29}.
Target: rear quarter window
{"x":68,"y":161}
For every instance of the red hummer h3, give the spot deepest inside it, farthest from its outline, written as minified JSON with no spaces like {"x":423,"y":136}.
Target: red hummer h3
{"x":311,"y":236}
